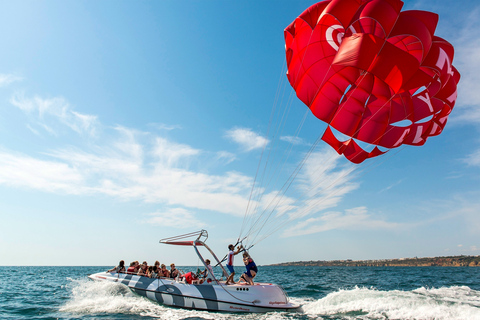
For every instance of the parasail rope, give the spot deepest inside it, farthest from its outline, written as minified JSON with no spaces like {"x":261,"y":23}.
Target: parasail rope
{"x":263,"y":150}
{"x":282,"y":224}
{"x":257,"y":225}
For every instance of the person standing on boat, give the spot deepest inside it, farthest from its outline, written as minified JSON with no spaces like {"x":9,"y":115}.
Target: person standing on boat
{"x":230,"y":268}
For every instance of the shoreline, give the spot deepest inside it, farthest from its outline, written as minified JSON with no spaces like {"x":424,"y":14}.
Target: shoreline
{"x":449,"y":261}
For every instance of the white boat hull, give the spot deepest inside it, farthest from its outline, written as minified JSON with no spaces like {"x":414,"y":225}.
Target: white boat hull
{"x":261,"y":297}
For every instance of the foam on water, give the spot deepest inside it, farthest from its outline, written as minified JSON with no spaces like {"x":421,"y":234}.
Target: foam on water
{"x":457,"y":302}
{"x":92,"y":297}
{"x":423,"y":303}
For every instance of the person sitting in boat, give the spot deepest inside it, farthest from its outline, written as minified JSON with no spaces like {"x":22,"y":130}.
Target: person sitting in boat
{"x":251,"y":269}
{"x":208,"y":272}
{"x":230,"y":268}
{"x":174,"y":271}
{"x":154,"y":273}
{"x":132,"y":267}
{"x":137,"y":267}
{"x":143,"y":269}
{"x":149,"y":271}
{"x":164,"y":272}
{"x":119,"y":268}
{"x":190,"y":277}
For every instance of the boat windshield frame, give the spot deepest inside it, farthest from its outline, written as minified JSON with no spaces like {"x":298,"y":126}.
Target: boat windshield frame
{"x":202,"y":236}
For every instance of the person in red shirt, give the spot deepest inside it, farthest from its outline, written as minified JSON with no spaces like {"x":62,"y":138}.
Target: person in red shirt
{"x":190,"y":277}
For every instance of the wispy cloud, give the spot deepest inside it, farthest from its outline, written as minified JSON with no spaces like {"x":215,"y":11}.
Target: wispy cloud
{"x":351,"y":219}
{"x":293,"y":140}
{"x":6,"y":79}
{"x":22,"y":171}
{"x":143,"y":166}
{"x":473,"y":159}
{"x":226,"y":157}
{"x":465,"y":206}
{"x":163,"y":126}
{"x":321,"y":184}
{"x":246,"y":138}
{"x":467,"y":51}
{"x":178,"y":218}
{"x":324,"y":182}
{"x":155,"y":172}
{"x":42,"y":110}
{"x":169,"y":153}
{"x":391,"y":186}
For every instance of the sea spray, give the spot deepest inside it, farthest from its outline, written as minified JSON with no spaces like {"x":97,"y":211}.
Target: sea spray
{"x":423,"y":303}
{"x":93,"y":298}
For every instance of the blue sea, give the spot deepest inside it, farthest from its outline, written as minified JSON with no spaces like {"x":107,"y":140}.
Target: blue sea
{"x":324,"y":292}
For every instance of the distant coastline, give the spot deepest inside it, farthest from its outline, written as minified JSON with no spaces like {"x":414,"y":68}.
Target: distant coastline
{"x":451,"y":261}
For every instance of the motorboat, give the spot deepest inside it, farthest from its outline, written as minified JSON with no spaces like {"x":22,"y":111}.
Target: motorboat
{"x":211,"y":295}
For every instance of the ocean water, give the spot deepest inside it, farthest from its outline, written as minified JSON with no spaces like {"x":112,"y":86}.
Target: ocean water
{"x":324,"y":292}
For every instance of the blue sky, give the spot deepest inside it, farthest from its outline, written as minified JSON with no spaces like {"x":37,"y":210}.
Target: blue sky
{"x":123,"y":122}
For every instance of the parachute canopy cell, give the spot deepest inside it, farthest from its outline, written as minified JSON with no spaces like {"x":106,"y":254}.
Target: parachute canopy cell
{"x":372,"y":72}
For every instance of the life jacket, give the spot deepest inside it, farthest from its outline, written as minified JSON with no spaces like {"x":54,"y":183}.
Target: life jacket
{"x":251,"y":266}
{"x":188,"y":277}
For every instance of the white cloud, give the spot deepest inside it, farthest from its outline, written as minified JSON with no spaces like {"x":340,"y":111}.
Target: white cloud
{"x":82,"y":122}
{"x":467,"y":51}
{"x":178,"y":218}
{"x":466,"y":207}
{"x":293,"y":140}
{"x":247,"y":139}
{"x":124,"y":168}
{"x":321,"y":184}
{"x":42,"y":111}
{"x":169,"y":153}
{"x":226,"y":157}
{"x":6,"y":79}
{"x":33,"y":130}
{"x":473,"y":159}
{"x":352,"y":219}
{"x":324,"y":182}
{"x":163,"y":126}
{"x":23,"y":171}
{"x":391,"y":186}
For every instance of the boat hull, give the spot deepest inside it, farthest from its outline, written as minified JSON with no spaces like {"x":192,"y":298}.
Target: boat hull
{"x":261,"y":297}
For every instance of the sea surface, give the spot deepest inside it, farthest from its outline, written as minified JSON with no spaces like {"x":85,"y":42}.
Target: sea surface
{"x":324,"y":292}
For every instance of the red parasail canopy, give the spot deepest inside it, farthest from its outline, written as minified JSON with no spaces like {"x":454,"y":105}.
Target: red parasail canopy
{"x":373,"y":72}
